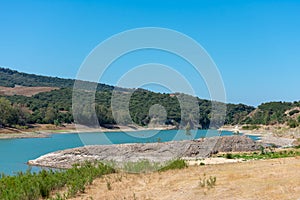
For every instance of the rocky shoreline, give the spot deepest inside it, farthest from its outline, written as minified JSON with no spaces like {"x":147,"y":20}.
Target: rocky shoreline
{"x":153,"y":152}
{"x":270,"y":135}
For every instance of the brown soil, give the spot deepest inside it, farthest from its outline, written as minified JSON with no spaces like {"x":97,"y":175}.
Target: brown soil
{"x":23,"y":90}
{"x":37,"y":130}
{"x":263,"y":179}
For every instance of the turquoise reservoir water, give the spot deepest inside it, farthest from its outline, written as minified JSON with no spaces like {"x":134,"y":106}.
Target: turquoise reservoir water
{"x":14,"y":153}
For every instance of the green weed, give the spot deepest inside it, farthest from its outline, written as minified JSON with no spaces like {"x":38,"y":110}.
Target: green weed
{"x":31,"y":186}
{"x":176,"y":164}
{"x":207,"y":182}
{"x":264,"y":155}
{"x":142,"y":166}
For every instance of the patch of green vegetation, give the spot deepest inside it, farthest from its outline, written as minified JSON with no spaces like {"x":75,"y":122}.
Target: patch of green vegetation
{"x":21,"y":127}
{"x":292,"y":123}
{"x":264,"y":155}
{"x":145,"y":166}
{"x":291,"y":113}
{"x":30,"y":186}
{"x":176,"y":164}
{"x":250,"y":127}
{"x":142,"y":166}
{"x":228,"y":156}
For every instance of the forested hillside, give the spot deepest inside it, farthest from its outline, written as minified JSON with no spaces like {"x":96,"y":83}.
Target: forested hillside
{"x":55,"y":107}
{"x":275,"y":113}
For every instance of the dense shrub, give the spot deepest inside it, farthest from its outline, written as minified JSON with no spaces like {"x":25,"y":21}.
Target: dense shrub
{"x":30,"y":186}
{"x":291,"y":113}
{"x":292,"y":123}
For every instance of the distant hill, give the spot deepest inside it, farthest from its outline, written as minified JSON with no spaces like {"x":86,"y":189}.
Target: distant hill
{"x":55,"y":106}
{"x":10,"y":78}
{"x":272,"y":113}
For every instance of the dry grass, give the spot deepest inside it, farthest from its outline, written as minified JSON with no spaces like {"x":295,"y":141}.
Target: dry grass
{"x":25,"y":91}
{"x":262,"y":179}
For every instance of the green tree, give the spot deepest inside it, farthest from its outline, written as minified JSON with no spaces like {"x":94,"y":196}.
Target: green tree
{"x":6,"y":112}
{"x":50,"y":115}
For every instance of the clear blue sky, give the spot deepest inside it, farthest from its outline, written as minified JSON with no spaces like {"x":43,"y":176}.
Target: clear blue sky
{"x":255,"y":44}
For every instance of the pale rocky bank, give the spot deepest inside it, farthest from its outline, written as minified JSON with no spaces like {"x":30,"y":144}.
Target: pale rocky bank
{"x":153,"y":152}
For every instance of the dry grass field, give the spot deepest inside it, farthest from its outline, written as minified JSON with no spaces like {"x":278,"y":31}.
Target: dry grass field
{"x":23,"y":90}
{"x":260,"y":179}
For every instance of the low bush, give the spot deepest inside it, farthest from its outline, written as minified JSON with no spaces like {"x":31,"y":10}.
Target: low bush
{"x":228,"y":156}
{"x":291,"y":113}
{"x":208,"y":182}
{"x":176,"y":164}
{"x":142,"y":166}
{"x":250,"y":127}
{"x":292,"y":123}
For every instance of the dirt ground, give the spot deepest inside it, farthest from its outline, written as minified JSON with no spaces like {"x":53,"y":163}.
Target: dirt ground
{"x":262,"y":179}
{"x":36,"y":131}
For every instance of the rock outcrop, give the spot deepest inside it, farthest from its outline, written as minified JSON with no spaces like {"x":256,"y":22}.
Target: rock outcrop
{"x":154,"y":152}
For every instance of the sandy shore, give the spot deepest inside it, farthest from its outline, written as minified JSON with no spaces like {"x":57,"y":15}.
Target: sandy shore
{"x":269,"y":134}
{"x":211,"y":161}
{"x":23,"y":135}
{"x":42,"y":130}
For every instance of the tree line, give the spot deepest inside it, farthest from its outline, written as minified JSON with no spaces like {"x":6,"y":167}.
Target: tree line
{"x":145,"y":107}
{"x":55,"y":107}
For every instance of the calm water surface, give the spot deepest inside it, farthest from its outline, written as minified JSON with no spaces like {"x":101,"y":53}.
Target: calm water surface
{"x":14,"y":153}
